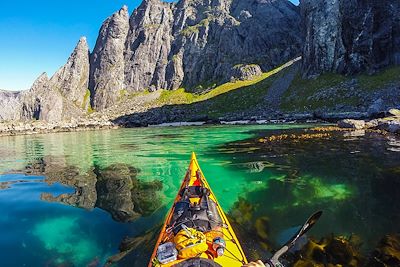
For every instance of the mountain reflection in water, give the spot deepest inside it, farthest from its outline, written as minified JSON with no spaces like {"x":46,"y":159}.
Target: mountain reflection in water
{"x":114,"y":189}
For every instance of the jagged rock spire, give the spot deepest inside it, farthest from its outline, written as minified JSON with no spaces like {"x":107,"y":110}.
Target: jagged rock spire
{"x":107,"y":60}
{"x":72,"y":80}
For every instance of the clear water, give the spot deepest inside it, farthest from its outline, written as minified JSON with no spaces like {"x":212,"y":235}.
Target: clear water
{"x":68,"y":199}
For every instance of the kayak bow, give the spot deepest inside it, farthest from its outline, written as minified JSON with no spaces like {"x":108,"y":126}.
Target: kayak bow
{"x":197,"y":225}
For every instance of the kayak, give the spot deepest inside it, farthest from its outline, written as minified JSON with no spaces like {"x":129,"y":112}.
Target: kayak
{"x":196,"y":231}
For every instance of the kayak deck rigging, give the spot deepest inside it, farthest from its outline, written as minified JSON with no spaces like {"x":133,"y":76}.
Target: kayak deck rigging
{"x":196,"y":212}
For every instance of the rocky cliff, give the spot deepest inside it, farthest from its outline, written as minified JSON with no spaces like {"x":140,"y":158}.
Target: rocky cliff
{"x":189,"y":43}
{"x":72,"y":80}
{"x":107,"y":60}
{"x":350,"y":36}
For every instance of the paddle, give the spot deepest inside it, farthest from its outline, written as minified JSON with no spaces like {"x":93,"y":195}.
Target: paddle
{"x":274,"y":261}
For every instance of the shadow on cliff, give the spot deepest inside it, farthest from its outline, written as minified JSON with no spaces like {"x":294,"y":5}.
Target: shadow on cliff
{"x":234,"y":103}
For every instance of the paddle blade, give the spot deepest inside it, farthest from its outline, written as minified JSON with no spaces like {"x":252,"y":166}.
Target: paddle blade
{"x":305,"y":228}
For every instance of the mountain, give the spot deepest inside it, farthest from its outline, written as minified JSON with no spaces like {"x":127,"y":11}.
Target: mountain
{"x":189,"y":43}
{"x":205,"y":46}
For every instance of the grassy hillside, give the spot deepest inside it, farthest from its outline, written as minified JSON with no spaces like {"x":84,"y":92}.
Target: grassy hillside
{"x":229,"y":97}
{"x":248,"y":98}
{"x":180,"y":96}
{"x":330,"y":89}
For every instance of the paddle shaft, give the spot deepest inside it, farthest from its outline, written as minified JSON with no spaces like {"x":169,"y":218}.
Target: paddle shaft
{"x":274,"y":261}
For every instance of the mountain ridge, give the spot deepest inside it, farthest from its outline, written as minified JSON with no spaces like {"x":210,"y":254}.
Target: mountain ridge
{"x":199,"y":45}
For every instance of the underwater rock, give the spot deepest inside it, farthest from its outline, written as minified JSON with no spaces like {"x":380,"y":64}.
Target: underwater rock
{"x":257,"y":166}
{"x":114,"y":192}
{"x":387,"y":252}
{"x":262,"y":227}
{"x":356,"y":133}
{"x":35,"y":167}
{"x":242,"y":211}
{"x":130,"y":244}
{"x":258,"y":228}
{"x":330,"y":251}
{"x":65,"y":237}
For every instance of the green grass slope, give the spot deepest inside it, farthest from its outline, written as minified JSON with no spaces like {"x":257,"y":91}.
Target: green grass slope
{"x":301,"y":94}
{"x":229,"y":97}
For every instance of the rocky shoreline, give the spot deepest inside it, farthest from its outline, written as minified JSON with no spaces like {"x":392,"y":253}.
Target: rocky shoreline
{"x":389,"y":122}
{"x":42,"y":127}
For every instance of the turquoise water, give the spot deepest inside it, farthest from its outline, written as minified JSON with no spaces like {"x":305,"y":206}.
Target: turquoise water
{"x":69,"y":199}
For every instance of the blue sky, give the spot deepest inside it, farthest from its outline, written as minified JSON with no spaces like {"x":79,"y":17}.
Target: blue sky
{"x":39,"y":35}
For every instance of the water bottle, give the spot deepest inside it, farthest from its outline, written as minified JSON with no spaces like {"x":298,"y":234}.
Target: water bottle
{"x":219,"y":246}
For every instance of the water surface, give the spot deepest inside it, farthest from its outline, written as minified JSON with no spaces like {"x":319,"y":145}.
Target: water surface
{"x":68,"y":199}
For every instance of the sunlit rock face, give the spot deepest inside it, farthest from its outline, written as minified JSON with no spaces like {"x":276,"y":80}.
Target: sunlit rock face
{"x":189,"y":43}
{"x":107,"y":60}
{"x":72,"y":80}
{"x":148,"y":46}
{"x":350,"y":36}
{"x":56,"y":99}
{"x":42,"y":102}
{"x":10,"y":106}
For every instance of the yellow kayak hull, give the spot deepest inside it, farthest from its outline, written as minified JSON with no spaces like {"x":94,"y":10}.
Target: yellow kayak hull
{"x":233,"y":256}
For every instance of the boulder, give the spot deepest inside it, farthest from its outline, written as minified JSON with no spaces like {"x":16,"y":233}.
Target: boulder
{"x":394,"y":112}
{"x":245,"y":72}
{"x":376,"y":108}
{"x":352,"y":124}
{"x":372,"y":123}
{"x":394,"y":127}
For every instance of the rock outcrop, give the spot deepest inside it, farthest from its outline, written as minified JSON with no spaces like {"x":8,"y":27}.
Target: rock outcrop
{"x":72,"y":80}
{"x":209,"y":44}
{"x":389,"y":124}
{"x":124,"y":196}
{"x":107,"y":60}
{"x":62,"y":97}
{"x":245,"y":72}
{"x":9,"y":105}
{"x":163,"y":46}
{"x":349,"y":37}
{"x":352,"y":124}
{"x":148,"y":46}
{"x":41,"y":102}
